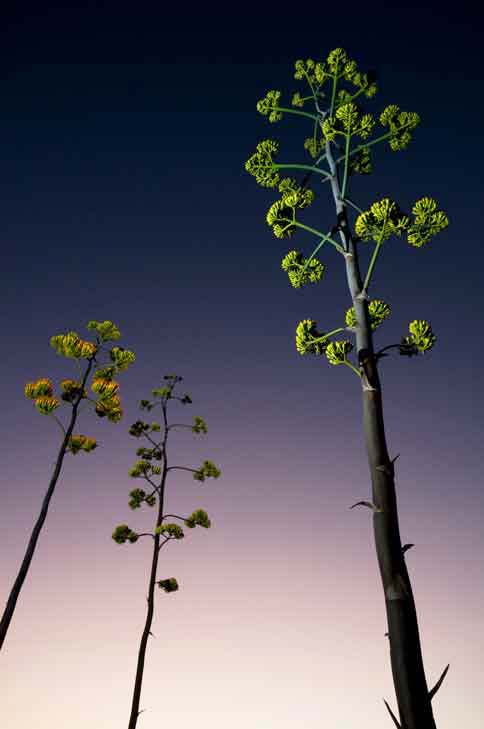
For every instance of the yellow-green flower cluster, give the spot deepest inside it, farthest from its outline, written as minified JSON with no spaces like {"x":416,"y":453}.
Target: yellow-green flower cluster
{"x":308,"y":339}
{"x":421,"y":335}
{"x":401,"y":124}
{"x":336,"y":352}
{"x":81,"y":443}
{"x":104,"y":387}
{"x":208,"y":469}
{"x":143,"y":467}
{"x":110,"y":407}
{"x":122,"y":358}
{"x":123,"y":533}
{"x":171,"y":530}
{"x":294,"y":263}
{"x":71,"y":345}
{"x":377,"y":309}
{"x":198,"y":517}
{"x":41,"y":391}
{"x":261,"y":164}
{"x":360,"y":162}
{"x":281,"y":216}
{"x":428,"y":222}
{"x":337,"y":65}
{"x":380,"y":222}
{"x":297,"y":100}
{"x":347,"y":120}
{"x":200,"y":425}
{"x":385,"y":219}
{"x":267,"y":106}
{"x":106,"y":329}
{"x":314,"y":146}
{"x":137,"y":496}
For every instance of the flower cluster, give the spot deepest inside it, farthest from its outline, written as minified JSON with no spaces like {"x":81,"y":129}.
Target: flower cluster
{"x":208,"y":469}
{"x":385,"y":219}
{"x":268,"y":106}
{"x":200,"y":425}
{"x":169,"y":585}
{"x":171,"y":530}
{"x":380,"y":222}
{"x":377,"y":310}
{"x":137,"y":496}
{"x":348,"y":121}
{"x":281,"y":216}
{"x":198,"y":517}
{"x":337,"y":65}
{"x":310,"y":341}
{"x":400,"y":124}
{"x":123,"y":533}
{"x":294,"y":264}
{"x":261,"y":164}
{"x":421,"y":336}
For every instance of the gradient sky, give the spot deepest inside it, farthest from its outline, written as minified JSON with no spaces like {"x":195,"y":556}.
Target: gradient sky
{"x":124,"y":197}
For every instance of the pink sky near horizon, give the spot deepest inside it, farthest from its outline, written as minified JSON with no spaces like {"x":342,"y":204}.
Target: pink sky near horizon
{"x":280,"y":615}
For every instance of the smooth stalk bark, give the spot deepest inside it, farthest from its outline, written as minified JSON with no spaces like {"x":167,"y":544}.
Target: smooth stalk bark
{"x":22,"y":574}
{"x":414,"y":701}
{"x":135,"y":712}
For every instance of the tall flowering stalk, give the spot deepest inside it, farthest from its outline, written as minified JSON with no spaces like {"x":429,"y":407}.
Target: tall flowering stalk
{"x":163,"y":531}
{"x":333,"y":128}
{"x":108,"y":405}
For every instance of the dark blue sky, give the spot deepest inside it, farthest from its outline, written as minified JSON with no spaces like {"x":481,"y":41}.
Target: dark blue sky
{"x":124,"y":134}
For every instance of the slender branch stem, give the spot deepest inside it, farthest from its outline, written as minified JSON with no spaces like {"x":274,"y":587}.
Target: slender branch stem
{"x":295,"y":111}
{"x":373,"y":258}
{"x":302,"y":167}
{"x":333,"y":95}
{"x":59,"y":422}
{"x":321,"y":235}
{"x":335,"y":331}
{"x":370,"y":144}
{"x":320,"y":244}
{"x":345,"y":175}
{"x":182,"y":468}
{"x":352,"y":367}
{"x":350,"y":202}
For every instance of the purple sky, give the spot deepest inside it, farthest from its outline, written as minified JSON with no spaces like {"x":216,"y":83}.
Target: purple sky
{"x":125,"y":198}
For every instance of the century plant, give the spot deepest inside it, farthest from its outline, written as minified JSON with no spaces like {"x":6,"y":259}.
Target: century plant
{"x":340,"y":121}
{"x":168,"y":530}
{"x":108,"y":405}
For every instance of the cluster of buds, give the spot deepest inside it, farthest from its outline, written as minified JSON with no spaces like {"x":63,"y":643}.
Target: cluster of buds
{"x":143,"y":468}
{"x":108,"y":404}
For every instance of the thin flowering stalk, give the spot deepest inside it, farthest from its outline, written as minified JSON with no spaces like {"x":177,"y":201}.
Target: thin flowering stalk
{"x":107,"y":405}
{"x":168,"y":530}
{"x":344,"y":119}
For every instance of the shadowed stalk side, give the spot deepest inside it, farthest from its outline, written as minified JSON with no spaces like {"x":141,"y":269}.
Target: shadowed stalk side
{"x":414,"y":702}
{"x":135,"y":712}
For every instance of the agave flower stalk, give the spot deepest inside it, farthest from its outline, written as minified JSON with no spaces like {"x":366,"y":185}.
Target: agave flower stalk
{"x":163,"y":531}
{"x":107,"y":405}
{"x":340,"y":122}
